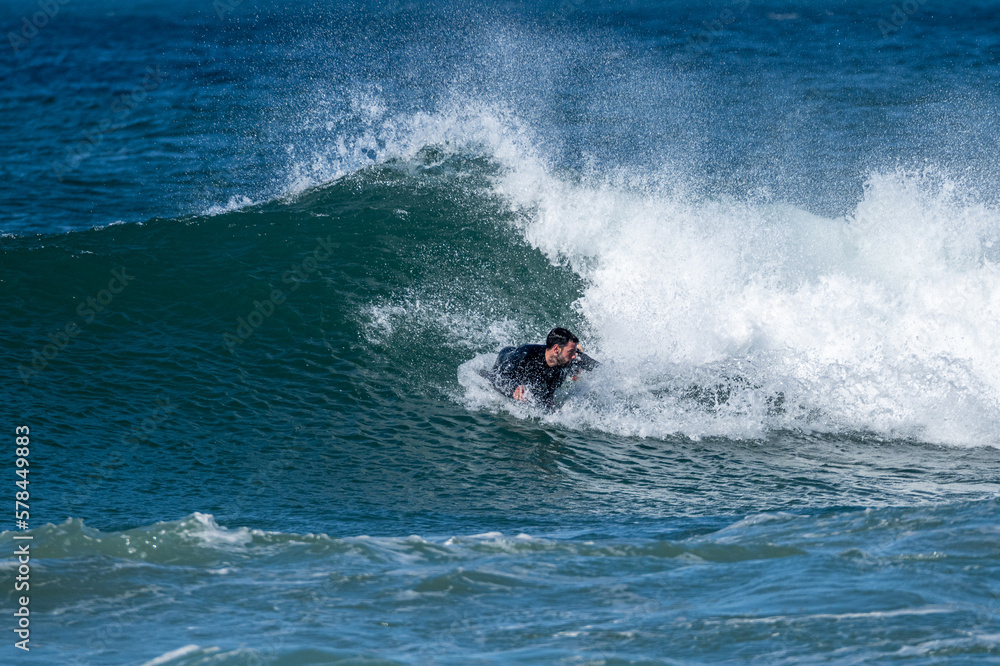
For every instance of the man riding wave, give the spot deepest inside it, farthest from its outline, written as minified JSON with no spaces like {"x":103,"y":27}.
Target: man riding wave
{"x":536,"y":371}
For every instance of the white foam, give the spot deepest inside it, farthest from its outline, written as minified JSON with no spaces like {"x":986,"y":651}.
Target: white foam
{"x":237,"y":202}
{"x":344,"y":142}
{"x":487,"y":535}
{"x":884,"y":320}
{"x":173,"y":654}
{"x":209,"y":533}
{"x":836,"y":617}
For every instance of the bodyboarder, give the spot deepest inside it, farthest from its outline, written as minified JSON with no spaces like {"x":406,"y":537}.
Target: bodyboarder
{"x":534,"y":372}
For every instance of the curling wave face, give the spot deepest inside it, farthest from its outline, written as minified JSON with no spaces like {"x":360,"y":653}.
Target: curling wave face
{"x":723,"y":316}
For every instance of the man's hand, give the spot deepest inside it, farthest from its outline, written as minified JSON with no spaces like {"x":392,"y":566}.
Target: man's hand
{"x":519,"y":393}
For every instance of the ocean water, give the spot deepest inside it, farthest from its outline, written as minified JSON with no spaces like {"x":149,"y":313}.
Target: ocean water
{"x":252,"y":255}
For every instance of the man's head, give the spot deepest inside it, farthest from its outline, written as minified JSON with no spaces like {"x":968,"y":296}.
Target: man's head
{"x":560,"y":347}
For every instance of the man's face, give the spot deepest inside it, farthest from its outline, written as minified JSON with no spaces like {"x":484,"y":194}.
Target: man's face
{"x":565,"y":354}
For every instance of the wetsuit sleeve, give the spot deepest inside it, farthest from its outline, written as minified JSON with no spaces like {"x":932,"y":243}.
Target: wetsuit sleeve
{"x":504,"y":373}
{"x":548,"y":399}
{"x":585,"y":362}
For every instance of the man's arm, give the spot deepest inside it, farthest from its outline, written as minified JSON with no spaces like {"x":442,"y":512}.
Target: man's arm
{"x":585,"y":362}
{"x":506,"y":375}
{"x":581,"y":362}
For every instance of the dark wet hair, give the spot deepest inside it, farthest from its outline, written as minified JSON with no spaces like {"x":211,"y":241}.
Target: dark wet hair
{"x":561,"y":337}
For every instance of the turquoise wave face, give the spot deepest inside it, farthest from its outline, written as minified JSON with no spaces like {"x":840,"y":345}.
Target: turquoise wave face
{"x":239,"y":287}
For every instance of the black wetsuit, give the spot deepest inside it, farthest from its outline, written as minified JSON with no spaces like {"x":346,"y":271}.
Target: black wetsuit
{"x":525,"y":366}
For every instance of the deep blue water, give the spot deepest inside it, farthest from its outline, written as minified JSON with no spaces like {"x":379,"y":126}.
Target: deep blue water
{"x":252,"y":255}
